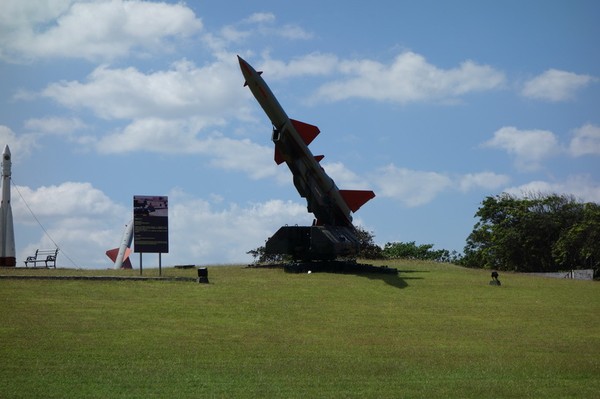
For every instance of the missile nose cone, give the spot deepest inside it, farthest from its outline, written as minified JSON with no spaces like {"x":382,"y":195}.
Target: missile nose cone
{"x":246,"y":68}
{"x":243,"y":63}
{"x":6,"y":158}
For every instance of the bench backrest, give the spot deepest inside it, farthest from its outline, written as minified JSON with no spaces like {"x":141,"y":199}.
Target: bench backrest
{"x":41,"y":253}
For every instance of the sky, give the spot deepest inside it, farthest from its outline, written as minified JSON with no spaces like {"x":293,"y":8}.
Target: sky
{"x":432,"y":105}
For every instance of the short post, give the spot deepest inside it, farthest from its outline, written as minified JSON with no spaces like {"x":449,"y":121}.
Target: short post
{"x":203,"y":275}
{"x":495,"y":280}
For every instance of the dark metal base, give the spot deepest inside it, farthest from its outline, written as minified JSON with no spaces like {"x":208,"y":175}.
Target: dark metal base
{"x":8,"y":261}
{"x":313,"y":242}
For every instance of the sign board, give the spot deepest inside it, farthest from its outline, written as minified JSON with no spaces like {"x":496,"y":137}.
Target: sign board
{"x":151,"y":224}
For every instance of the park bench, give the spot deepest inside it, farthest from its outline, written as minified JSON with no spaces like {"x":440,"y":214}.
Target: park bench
{"x":43,"y":255}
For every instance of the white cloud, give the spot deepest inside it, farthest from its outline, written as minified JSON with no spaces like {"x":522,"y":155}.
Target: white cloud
{"x":154,"y":135}
{"x":580,"y":186}
{"x":554,"y":85}
{"x":228,"y":34}
{"x":69,"y":199}
{"x":20,"y":145}
{"x":487,"y":180}
{"x":345,"y":178}
{"x":184,"y":90}
{"x":99,"y":30}
{"x":243,"y":155}
{"x":262,"y":25}
{"x":416,"y":187}
{"x":54,"y":125}
{"x":169,"y":111}
{"x":529,"y":147}
{"x":183,"y":137}
{"x":260,"y":17}
{"x":585,"y":141}
{"x":409,"y":78}
{"x":20,"y":15}
{"x":292,"y":32}
{"x":411,"y":187}
{"x":313,"y":64}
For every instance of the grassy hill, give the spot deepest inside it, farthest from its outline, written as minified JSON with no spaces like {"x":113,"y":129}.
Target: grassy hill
{"x":435,"y":330}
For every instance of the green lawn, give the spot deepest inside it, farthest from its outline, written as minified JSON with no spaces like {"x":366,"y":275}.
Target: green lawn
{"x":433,"y":331}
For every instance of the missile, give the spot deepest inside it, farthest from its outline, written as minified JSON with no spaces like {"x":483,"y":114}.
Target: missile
{"x":120,"y":256}
{"x":331,"y":206}
{"x":7,"y":233}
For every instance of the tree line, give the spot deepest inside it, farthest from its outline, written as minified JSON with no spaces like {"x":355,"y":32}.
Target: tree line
{"x":538,"y":233}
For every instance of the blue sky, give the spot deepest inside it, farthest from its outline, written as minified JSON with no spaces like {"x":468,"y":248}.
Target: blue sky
{"x":432,"y":105}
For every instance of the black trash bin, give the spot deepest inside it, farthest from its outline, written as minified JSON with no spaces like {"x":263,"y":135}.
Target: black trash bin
{"x":203,"y":275}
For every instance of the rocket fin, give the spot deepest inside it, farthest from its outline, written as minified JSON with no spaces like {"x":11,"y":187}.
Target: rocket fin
{"x":112,"y":254}
{"x":356,"y":198}
{"x":306,"y":131}
{"x":127,"y":264}
{"x":245,"y":84}
{"x":278,"y":157}
{"x":126,"y":261}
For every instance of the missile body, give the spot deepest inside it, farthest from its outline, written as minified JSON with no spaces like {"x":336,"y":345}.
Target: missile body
{"x":125,"y":248}
{"x":331,"y":206}
{"x":121,"y":255}
{"x":7,"y":233}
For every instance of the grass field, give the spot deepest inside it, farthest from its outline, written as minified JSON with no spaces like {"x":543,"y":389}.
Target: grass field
{"x":433,"y":331}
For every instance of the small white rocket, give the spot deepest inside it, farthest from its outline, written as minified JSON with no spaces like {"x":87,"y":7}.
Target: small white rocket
{"x":7,"y":232}
{"x":121,"y":255}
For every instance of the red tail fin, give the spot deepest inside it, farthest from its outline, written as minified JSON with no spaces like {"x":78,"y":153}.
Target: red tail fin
{"x":278,"y":157}
{"x":306,"y":131}
{"x":127,"y":264}
{"x":356,"y":198}
{"x":112,"y":254}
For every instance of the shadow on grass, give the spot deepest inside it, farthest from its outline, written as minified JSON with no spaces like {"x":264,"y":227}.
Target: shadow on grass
{"x":390,"y":276}
{"x":397,"y":279}
{"x":391,"y":279}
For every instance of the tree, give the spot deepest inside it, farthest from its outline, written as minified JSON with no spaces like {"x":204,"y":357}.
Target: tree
{"x":368,"y":248}
{"x":535,"y":233}
{"x":410,"y":250}
{"x":579,"y":244}
{"x":260,"y":256}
